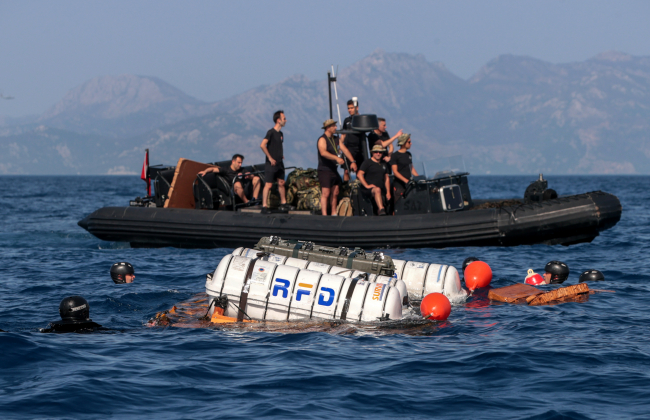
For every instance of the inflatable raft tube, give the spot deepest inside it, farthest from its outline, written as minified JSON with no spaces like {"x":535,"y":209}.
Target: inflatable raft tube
{"x":565,"y":220}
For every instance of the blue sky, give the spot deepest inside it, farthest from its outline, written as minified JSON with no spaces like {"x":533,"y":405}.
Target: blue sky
{"x":215,"y":49}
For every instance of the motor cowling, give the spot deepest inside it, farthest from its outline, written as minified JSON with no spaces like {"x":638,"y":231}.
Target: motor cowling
{"x":538,"y":191}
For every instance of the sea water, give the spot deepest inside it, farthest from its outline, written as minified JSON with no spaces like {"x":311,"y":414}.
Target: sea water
{"x":574,"y":360}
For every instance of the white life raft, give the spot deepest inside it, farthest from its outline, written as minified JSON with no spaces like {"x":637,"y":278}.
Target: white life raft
{"x":329,"y":269}
{"x":419,"y":278}
{"x":282,"y":292}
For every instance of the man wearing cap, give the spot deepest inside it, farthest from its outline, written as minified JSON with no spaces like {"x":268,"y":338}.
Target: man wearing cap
{"x":374,"y":179}
{"x":328,"y":158}
{"x":380,"y":136}
{"x":355,"y":142}
{"x":402,"y":164}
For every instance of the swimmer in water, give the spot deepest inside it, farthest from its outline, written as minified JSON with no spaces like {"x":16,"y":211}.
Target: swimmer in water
{"x":75,"y":317}
{"x":122,"y":272}
{"x":555,"y":272}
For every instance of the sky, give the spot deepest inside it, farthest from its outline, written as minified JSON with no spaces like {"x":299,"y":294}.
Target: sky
{"x":215,"y":49}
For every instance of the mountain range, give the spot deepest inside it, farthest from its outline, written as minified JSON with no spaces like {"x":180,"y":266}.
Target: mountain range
{"x":515,"y":115}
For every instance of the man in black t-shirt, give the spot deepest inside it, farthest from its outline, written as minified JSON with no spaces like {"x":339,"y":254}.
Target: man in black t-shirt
{"x":402,"y":164}
{"x":272,"y":146}
{"x":231,"y":172}
{"x":380,"y":136}
{"x":354,"y":142}
{"x":374,"y":179}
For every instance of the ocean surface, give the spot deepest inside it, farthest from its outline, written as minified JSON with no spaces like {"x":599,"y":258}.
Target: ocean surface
{"x":587,"y":360}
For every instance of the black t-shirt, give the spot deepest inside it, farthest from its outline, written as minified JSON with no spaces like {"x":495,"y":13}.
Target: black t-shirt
{"x":404,"y":162}
{"x":374,"y":173}
{"x":325,"y":164}
{"x":228,"y":174}
{"x":373,"y":137}
{"x":275,"y":138}
{"x":355,"y":142}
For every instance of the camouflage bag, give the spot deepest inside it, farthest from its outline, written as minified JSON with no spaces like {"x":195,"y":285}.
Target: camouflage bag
{"x":291,"y":195}
{"x":344,"y":191}
{"x":273,"y":200}
{"x":309,"y":199}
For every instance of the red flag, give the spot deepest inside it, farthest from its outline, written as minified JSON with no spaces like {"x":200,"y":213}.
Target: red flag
{"x":145,"y":172}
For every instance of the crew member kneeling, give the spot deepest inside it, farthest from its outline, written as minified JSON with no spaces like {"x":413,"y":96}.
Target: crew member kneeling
{"x":374,"y":179}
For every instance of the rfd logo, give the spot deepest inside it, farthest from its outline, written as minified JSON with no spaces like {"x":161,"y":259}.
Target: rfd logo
{"x":282,"y":286}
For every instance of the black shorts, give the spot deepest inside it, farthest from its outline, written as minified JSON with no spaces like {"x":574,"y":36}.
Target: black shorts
{"x":329,"y":179}
{"x":358,"y":157}
{"x":271,"y":173}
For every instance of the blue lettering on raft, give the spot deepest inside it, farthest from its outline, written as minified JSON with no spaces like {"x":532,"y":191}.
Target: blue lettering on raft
{"x":321,"y":297}
{"x":302,"y":292}
{"x":284,"y":287}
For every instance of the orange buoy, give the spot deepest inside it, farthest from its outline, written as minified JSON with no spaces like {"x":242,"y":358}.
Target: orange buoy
{"x":478,"y":274}
{"x":435,"y":306}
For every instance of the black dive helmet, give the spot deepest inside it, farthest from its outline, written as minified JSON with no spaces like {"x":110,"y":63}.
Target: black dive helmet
{"x":121,"y":269}
{"x":74,"y":309}
{"x":591,"y":275}
{"x":467,"y":262}
{"x":559,"y":271}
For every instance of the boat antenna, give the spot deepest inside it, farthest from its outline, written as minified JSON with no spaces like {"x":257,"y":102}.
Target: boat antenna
{"x":336,"y":95}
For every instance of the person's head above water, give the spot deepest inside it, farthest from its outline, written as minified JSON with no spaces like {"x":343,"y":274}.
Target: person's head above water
{"x":556,"y":272}
{"x":74,"y":309}
{"x":122,"y":272}
{"x":591,"y":275}
{"x":468,"y":261}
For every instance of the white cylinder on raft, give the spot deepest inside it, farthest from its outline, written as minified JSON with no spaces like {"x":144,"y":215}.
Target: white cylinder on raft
{"x":282,"y":292}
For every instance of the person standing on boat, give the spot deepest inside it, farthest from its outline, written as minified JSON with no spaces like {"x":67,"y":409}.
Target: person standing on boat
{"x":380,"y":136}
{"x":328,"y":158}
{"x":272,"y":146}
{"x":354,"y":142}
{"x":402,"y":165}
{"x":374,"y":179}
{"x":234,"y":171}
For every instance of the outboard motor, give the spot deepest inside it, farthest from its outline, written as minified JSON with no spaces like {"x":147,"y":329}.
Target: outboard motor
{"x":538,"y":191}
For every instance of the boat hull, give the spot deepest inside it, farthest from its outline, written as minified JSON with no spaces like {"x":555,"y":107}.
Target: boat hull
{"x":566,"y":220}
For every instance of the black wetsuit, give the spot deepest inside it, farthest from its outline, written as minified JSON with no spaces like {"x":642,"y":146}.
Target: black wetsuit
{"x":70,"y":326}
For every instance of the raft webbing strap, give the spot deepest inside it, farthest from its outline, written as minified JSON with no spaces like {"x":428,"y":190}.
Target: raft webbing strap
{"x":348,"y":296}
{"x":243,"y":297}
{"x":296,"y":248}
{"x":351,"y":259}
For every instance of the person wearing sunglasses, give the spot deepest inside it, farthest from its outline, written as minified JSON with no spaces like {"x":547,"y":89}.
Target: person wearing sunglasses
{"x":374,"y":179}
{"x":402,"y":164}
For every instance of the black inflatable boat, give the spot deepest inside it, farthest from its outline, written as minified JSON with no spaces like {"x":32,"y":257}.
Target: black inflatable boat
{"x":437,"y":212}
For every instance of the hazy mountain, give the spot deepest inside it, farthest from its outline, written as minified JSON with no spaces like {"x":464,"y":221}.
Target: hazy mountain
{"x":122,"y":106}
{"x":515,"y":115}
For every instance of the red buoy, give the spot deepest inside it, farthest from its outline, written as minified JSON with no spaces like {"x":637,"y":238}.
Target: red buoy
{"x":478,"y":274}
{"x":435,"y":306}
